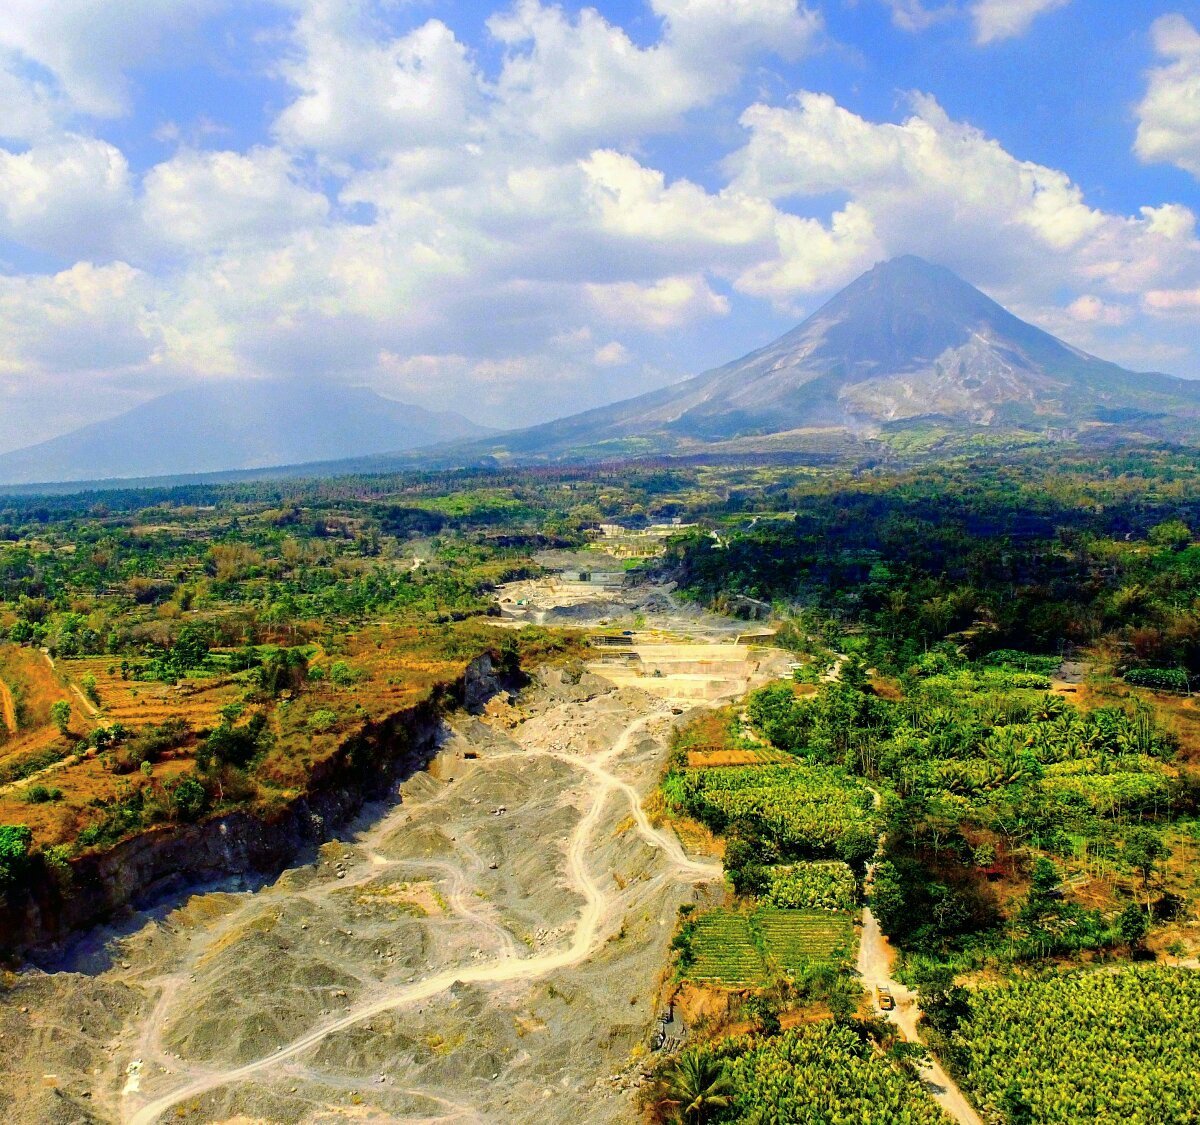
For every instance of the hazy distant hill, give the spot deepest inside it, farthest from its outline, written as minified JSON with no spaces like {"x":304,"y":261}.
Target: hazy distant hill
{"x":236,"y":425}
{"x":907,"y":351}
{"x":907,"y":344}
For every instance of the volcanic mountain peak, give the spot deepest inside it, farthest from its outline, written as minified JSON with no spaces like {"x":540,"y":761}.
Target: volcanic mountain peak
{"x":906,"y":341}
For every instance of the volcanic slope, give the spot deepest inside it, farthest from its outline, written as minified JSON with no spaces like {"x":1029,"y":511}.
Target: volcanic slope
{"x":907,"y":343}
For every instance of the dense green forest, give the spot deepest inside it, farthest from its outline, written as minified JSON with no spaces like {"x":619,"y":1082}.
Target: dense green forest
{"x":1027,"y":555}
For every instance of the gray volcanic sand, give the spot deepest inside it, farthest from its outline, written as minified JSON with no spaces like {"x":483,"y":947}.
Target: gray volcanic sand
{"x":441,"y":881}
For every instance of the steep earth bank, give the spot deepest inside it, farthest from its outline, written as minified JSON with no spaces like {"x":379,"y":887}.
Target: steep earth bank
{"x":485,"y":946}
{"x":149,"y":866}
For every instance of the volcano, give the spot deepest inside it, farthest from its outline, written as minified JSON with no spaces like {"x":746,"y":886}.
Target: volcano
{"x":908,"y":344}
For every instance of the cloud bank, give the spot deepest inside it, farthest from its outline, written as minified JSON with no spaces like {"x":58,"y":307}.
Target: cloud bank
{"x":479,"y":222}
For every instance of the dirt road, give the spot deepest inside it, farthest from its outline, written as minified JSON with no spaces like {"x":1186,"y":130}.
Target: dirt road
{"x":875,"y":960}
{"x":89,"y":707}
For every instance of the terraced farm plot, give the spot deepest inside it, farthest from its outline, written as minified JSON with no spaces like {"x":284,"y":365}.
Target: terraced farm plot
{"x":137,"y":703}
{"x":796,"y":939}
{"x":724,"y":950}
{"x":704,"y":758}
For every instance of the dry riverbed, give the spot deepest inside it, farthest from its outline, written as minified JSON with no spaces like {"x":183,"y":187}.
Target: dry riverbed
{"x":484,"y":948}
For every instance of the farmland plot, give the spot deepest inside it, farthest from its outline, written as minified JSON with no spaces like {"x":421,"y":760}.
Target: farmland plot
{"x":740,"y":950}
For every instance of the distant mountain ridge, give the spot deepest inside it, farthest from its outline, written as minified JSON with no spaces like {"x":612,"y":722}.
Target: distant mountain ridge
{"x":241,"y":424}
{"x":906,"y":343}
{"x":906,"y":351}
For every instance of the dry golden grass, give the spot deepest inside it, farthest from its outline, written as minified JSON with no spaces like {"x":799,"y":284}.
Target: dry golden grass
{"x":59,"y":822}
{"x":697,"y":838}
{"x":31,"y":745}
{"x":33,"y":682}
{"x":138,"y":703}
{"x":709,"y":730}
{"x":34,"y":688}
{"x":704,"y":759}
{"x":887,"y":688}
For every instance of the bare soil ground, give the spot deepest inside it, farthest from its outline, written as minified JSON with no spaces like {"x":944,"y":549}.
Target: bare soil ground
{"x":485,"y":947}
{"x":8,"y":709}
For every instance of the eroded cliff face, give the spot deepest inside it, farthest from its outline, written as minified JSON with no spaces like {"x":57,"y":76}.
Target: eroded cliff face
{"x":167,"y":858}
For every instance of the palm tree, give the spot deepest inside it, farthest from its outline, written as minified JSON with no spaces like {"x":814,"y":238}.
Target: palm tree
{"x":695,"y":1084}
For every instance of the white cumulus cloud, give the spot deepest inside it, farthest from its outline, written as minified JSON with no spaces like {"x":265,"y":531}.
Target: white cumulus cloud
{"x":661,"y":305}
{"x":88,"y":46}
{"x":942,"y":189}
{"x":992,"y":20}
{"x":84,"y":319}
{"x":1169,"y":114}
{"x":1006,"y":19}
{"x":363,"y":96}
{"x":71,"y":195}
{"x":583,"y":80}
{"x":204,"y":200}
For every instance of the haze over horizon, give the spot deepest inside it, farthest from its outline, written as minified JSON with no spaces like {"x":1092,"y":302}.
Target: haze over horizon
{"x":518,"y":211}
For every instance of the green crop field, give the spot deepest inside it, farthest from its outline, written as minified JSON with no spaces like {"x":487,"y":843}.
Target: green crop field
{"x":1102,"y":1047}
{"x":824,"y":1074}
{"x":810,"y":812}
{"x":796,"y":938}
{"x":725,"y":951}
{"x":826,"y":885}
{"x":735,"y":949}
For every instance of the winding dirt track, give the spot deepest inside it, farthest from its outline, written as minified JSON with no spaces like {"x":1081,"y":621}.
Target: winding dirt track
{"x":89,"y":707}
{"x":875,"y":959}
{"x":506,"y":967}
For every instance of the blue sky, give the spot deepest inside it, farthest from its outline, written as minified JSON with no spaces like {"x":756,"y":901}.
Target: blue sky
{"x":522,"y":209}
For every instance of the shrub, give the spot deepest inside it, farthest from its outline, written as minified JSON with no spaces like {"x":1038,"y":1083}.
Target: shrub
{"x":1159,"y":679}
{"x":234,"y":746}
{"x":1022,"y":661}
{"x":15,"y":840}
{"x":321,"y":721}
{"x":60,"y":715}
{"x":341,"y":674}
{"x":188,"y":798}
{"x":282,"y":670}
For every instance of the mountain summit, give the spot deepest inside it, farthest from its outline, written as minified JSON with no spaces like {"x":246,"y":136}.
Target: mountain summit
{"x":238,"y":424}
{"x":908,"y":343}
